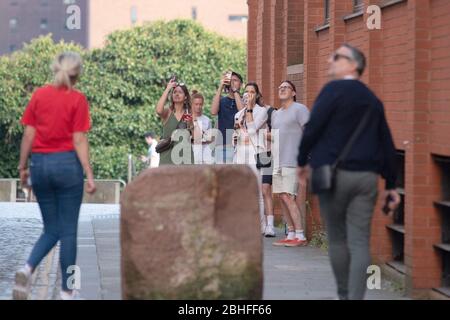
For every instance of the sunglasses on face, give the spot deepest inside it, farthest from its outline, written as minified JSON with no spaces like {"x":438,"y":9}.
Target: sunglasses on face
{"x":336,"y":56}
{"x":284,"y":87}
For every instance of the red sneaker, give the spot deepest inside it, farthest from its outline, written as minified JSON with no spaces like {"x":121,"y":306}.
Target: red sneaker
{"x":281,"y":243}
{"x":295,"y":243}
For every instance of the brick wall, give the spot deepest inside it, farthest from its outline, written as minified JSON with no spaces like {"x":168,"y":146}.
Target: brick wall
{"x":409,"y":70}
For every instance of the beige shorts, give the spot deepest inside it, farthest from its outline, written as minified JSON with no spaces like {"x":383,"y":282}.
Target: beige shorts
{"x":285,"y":181}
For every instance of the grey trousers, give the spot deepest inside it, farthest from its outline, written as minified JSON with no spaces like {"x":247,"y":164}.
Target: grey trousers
{"x":347,"y":212}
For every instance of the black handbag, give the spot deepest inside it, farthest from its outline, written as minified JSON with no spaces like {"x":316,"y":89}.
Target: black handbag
{"x":263,"y":159}
{"x":323,"y":177}
{"x":167,"y":143}
{"x":164,"y":145}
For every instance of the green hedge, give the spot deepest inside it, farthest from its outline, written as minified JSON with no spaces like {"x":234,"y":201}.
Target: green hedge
{"x":122,"y":81}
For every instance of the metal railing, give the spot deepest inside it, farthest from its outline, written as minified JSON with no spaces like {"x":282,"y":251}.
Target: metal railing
{"x":108,"y":191}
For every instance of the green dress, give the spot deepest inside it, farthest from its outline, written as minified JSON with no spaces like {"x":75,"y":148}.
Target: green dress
{"x":180,"y":145}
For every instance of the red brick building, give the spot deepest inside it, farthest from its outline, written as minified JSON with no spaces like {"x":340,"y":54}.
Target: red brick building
{"x":409,"y":69}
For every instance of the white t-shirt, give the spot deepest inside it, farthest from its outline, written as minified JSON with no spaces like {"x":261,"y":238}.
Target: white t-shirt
{"x":154,"y":156}
{"x":203,"y":152}
{"x":287,"y":131}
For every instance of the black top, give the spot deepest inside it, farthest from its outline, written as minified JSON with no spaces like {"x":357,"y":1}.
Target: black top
{"x":337,"y":111}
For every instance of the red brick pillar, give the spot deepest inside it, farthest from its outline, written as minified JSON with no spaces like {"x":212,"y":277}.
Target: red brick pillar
{"x":313,"y":17}
{"x":280,"y":47}
{"x":338,"y":9}
{"x":421,"y":188}
{"x":313,"y":13}
{"x":252,"y":38}
{"x":381,"y":243}
{"x":295,"y":33}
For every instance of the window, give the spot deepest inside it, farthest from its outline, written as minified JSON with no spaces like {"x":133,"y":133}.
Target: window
{"x":69,"y":1}
{"x":44,"y":3}
{"x":44,"y":24}
{"x":358,"y":5}
{"x":12,"y":48}
{"x":194,"y":13}
{"x":13,"y":3}
{"x":327,"y":11}
{"x":237,"y":18}
{"x":443,"y":206}
{"x":13,"y":24}
{"x":133,"y":15}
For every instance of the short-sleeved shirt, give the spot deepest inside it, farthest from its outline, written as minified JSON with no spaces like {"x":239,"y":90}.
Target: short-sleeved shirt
{"x":204,"y":123}
{"x":227,"y":110}
{"x":290,"y":123}
{"x":56,"y":113}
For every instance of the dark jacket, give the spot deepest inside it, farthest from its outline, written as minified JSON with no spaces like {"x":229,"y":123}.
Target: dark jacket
{"x":336,"y":113}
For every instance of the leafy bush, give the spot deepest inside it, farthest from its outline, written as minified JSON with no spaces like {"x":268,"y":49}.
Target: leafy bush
{"x":122,"y":81}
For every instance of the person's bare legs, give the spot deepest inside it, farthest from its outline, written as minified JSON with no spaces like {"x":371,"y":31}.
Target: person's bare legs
{"x":295,"y":218}
{"x":287,"y":217}
{"x":268,"y":209}
{"x":292,"y":211}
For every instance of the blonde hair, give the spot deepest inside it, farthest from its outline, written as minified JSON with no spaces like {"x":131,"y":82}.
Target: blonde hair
{"x":197,"y":95}
{"x":67,"y":68}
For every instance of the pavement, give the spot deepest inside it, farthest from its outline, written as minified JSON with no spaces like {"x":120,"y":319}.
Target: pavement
{"x":301,"y":273}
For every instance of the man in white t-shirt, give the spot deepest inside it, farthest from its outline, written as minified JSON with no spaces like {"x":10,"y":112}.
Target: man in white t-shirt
{"x":288,"y":123}
{"x":152,"y":158}
{"x":202,"y":126}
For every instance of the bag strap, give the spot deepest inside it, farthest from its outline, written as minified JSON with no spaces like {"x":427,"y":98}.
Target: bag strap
{"x":249,"y":137}
{"x":352,"y":139}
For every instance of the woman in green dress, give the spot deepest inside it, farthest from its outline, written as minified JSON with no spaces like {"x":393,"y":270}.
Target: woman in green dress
{"x":175,"y":118}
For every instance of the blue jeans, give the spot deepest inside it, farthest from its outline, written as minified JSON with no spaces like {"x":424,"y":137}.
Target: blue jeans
{"x":57,"y":181}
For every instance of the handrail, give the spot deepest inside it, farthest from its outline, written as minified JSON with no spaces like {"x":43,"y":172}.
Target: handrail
{"x":10,"y":193}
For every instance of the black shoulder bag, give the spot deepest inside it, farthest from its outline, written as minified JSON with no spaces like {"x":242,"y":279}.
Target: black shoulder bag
{"x":167,"y":143}
{"x":322,"y":178}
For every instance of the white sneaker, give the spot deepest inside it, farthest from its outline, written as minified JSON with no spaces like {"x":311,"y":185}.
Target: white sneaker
{"x":269,"y":232}
{"x":263,"y":229}
{"x":22,"y":284}
{"x":74,"y":295}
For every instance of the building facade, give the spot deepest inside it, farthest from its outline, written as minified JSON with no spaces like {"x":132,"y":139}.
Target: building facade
{"x":23,"y":20}
{"x":409,"y":70}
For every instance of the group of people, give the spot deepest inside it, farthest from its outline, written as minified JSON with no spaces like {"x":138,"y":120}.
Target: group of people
{"x":247,"y":128}
{"x":296,"y":142}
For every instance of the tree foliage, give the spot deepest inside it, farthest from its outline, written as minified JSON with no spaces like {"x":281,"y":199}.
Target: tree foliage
{"x":122,"y":81}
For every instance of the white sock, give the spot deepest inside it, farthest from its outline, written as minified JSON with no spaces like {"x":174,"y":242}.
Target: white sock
{"x":300,"y":235}
{"x":270,"y":220}
{"x":291,"y":235}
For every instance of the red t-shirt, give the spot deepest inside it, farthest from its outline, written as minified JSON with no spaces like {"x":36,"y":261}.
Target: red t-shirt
{"x":56,"y":113}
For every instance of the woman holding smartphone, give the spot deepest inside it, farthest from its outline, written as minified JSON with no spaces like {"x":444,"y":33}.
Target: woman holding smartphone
{"x":250,"y":138}
{"x":177,"y":125}
{"x":56,"y":122}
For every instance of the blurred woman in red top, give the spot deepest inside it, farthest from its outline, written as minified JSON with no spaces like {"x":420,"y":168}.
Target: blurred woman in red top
{"x":56,"y":121}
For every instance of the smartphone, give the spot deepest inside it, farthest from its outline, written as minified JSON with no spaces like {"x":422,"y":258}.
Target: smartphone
{"x":386,"y":209}
{"x":173,"y":77}
{"x":245,"y":99}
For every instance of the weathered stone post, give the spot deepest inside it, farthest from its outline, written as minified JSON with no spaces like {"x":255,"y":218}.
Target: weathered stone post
{"x":191,"y":232}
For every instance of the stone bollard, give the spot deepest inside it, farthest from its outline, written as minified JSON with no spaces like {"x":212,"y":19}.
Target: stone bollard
{"x":191,"y":232}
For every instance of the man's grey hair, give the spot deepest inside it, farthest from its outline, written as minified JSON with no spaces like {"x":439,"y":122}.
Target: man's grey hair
{"x":359,"y":58}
